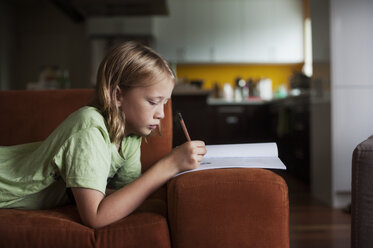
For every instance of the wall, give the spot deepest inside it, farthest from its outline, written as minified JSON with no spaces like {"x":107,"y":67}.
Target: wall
{"x":222,"y":73}
{"x":139,"y":26}
{"x":320,"y":129}
{"x":6,"y":38}
{"x":44,"y":36}
{"x":352,"y":87}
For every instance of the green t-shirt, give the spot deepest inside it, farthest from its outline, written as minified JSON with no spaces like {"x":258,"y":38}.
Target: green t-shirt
{"x":77,"y":154}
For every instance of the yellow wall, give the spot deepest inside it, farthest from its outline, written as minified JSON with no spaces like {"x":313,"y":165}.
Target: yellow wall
{"x":222,"y":73}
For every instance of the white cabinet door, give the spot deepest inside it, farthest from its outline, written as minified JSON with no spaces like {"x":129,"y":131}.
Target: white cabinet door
{"x":258,"y":31}
{"x":288,"y":31}
{"x":273,"y":31}
{"x":246,"y":31}
{"x":226,"y":30}
{"x":170,"y":32}
{"x":198,"y":29}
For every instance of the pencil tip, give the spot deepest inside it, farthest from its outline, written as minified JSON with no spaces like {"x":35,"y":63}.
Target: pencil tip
{"x":179,"y":115}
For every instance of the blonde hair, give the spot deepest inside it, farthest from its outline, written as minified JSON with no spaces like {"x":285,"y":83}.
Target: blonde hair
{"x":128,"y":65}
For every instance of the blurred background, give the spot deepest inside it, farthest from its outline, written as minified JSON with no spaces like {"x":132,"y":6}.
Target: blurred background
{"x":294,"y":72}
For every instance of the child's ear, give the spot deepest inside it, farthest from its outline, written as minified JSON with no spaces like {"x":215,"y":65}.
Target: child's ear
{"x":118,"y":96}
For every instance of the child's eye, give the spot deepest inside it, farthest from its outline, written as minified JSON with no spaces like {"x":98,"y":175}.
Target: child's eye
{"x":152,"y":102}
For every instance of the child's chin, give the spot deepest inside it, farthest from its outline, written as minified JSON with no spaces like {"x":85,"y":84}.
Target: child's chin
{"x":149,"y":132}
{"x":142,"y":132}
{"x":146,"y":132}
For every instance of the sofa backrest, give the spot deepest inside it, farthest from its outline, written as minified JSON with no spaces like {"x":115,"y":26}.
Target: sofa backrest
{"x":29,"y":116}
{"x":362,"y":195}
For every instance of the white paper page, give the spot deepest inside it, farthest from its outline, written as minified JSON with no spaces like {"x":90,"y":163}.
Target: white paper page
{"x":242,"y":150}
{"x":260,"y":155}
{"x":255,"y":162}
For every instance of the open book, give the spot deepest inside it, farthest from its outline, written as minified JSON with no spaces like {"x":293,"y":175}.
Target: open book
{"x":255,"y":155}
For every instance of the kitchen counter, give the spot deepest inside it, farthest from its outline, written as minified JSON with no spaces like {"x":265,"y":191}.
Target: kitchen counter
{"x":221,"y":101}
{"x":255,"y":101}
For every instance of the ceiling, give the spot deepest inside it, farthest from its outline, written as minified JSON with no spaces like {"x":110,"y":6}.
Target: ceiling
{"x":79,"y":10}
{"x":120,"y":7}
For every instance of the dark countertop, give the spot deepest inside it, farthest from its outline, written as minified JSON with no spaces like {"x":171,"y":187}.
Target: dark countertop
{"x":256,"y":101}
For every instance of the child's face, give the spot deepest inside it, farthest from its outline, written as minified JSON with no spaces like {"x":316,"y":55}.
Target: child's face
{"x":144,"y":106}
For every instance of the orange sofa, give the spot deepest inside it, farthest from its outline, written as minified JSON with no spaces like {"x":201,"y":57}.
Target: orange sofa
{"x":212,"y":208}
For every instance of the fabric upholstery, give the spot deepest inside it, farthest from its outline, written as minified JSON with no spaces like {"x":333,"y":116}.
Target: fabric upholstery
{"x":32,"y":115}
{"x":362,"y":195}
{"x":146,"y":227}
{"x":45,"y":228}
{"x":214,"y":208}
{"x":228,"y":208}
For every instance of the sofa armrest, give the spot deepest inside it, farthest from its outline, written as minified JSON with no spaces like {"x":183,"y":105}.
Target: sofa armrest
{"x":362,"y":195}
{"x":229,"y":208}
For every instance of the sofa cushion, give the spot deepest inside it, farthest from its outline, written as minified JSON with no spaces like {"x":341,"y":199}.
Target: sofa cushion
{"x":236,"y":207}
{"x":61,"y":227}
{"x":44,"y":228}
{"x":146,"y":227}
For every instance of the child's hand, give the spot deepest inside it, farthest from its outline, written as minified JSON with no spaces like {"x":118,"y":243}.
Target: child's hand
{"x":188,"y":156}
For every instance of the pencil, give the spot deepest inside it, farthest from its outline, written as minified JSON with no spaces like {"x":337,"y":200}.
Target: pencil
{"x":183,"y":126}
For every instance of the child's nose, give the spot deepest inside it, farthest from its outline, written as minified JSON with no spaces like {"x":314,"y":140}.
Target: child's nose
{"x":159,"y":114}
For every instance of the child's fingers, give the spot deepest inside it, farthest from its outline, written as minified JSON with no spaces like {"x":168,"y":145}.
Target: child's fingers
{"x":201,"y":151}
{"x":198,"y":142}
{"x":199,"y":146}
{"x":204,"y":150}
{"x":200,"y":158}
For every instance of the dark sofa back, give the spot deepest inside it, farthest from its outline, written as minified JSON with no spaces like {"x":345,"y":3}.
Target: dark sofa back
{"x":29,"y":116}
{"x":362,"y":195}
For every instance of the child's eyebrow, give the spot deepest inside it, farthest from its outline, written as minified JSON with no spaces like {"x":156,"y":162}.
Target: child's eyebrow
{"x":158,"y":97}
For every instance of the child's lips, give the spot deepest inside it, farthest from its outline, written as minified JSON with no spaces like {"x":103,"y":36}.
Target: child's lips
{"x":153,"y":126}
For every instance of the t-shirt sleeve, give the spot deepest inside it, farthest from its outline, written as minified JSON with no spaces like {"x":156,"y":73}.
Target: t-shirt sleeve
{"x":131,"y":168}
{"x":84,"y":160}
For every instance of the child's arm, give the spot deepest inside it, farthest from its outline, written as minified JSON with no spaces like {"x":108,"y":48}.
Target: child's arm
{"x":96,"y":210}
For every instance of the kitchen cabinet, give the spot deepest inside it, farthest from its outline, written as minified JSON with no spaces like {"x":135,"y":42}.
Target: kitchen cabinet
{"x":258,"y":36}
{"x":197,"y":26}
{"x":230,"y":124}
{"x":226,"y":31}
{"x":288,"y":24}
{"x":183,"y":35}
{"x":243,"y":123}
{"x":291,"y":122}
{"x":196,"y":114}
{"x":169,"y":32}
{"x":221,"y":123}
{"x":244,"y":31}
